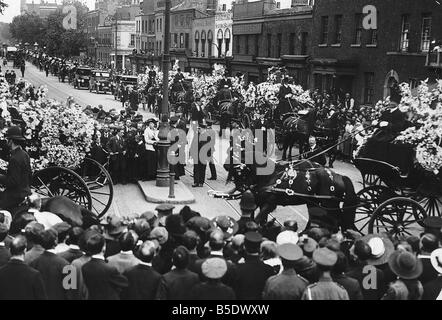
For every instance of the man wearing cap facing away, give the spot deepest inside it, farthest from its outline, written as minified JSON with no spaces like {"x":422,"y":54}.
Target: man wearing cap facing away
{"x":251,"y":276}
{"x":288,"y":285}
{"x":325,"y":288}
{"x":248,"y":207}
{"x":18,"y":178}
{"x":213,"y":270}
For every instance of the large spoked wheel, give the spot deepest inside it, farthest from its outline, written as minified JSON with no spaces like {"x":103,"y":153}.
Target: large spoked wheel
{"x":58,"y":181}
{"x":100,"y":185}
{"x":398,"y":217}
{"x":370,"y":199}
{"x":369,"y":179}
{"x":429,"y":197}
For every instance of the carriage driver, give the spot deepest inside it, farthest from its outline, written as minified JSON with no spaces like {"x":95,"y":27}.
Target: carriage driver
{"x":17,"y":180}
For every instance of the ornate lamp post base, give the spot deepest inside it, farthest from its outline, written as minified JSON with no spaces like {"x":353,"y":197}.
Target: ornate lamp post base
{"x":163,"y":170}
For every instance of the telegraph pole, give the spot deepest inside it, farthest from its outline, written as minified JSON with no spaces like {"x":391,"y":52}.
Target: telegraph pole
{"x":164,"y":143}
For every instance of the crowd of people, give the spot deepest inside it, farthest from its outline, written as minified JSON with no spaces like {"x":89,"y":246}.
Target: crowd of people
{"x":181,"y":256}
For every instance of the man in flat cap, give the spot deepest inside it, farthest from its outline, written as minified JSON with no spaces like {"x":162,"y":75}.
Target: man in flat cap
{"x":143,"y":279}
{"x":288,"y":285}
{"x":251,"y":275}
{"x":18,"y":281}
{"x":126,"y":259}
{"x":325,"y":288}
{"x":248,"y":207}
{"x":213,"y":270}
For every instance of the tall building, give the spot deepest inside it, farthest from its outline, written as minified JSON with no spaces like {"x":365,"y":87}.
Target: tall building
{"x":42,"y":9}
{"x":265,"y":36}
{"x":350,"y":57}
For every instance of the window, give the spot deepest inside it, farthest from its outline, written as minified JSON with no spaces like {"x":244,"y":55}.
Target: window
{"x":279,"y":45}
{"x":175,"y":40}
{"x":181,"y":40}
{"x":426,"y":32}
{"x":358,"y":29}
{"x":338,"y":29}
{"x":369,"y":87}
{"x":186,"y":41}
{"x":405,"y":33}
{"x":203,"y":43}
{"x":220,"y":37}
{"x":324,"y":30}
{"x":197,"y":39}
{"x":257,"y":45}
{"x":237,"y":47}
{"x":224,"y":7}
{"x":246,"y":41}
{"x":227,"y":40}
{"x":269,"y":45}
{"x":318,"y":81}
{"x":132,"y":40}
{"x":292,"y":41}
{"x":304,"y":39}
{"x":278,"y":5}
{"x":210,"y":43}
{"x":373,"y":36}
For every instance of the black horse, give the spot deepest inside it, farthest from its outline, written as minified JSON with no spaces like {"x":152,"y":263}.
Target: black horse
{"x":297,"y":128}
{"x":182,"y":97}
{"x":287,"y":183}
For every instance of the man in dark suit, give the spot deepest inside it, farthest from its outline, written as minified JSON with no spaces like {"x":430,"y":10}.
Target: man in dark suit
{"x":211,"y":133}
{"x":283,"y":96}
{"x":200,"y":139}
{"x":133,"y":99}
{"x":143,"y":279}
{"x":176,"y":284}
{"x":74,"y":251}
{"x":102,"y":281}
{"x":33,"y":232}
{"x":216,"y":244}
{"x":392,"y":120}
{"x":4,"y":252}
{"x":51,"y":267}
{"x":191,"y":241}
{"x":18,"y":281}
{"x":125,"y":259}
{"x":17,"y":181}
{"x":428,"y":243}
{"x":314,"y":152}
{"x":117,"y":150}
{"x":252,"y":275}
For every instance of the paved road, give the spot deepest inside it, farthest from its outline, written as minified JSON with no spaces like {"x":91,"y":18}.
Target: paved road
{"x":129,"y":199}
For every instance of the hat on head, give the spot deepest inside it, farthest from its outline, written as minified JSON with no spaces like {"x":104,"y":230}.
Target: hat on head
{"x":309,"y":245}
{"x":381,"y":248}
{"x":248,"y":201}
{"x":199,"y":224}
{"x":6,"y":218}
{"x":202,"y":125}
{"x":325,"y":257}
{"x":291,"y":225}
{"x":395,"y":94}
{"x":290,"y":252}
{"x":214,"y":268}
{"x":174,"y":120}
{"x":62,"y":227}
{"x":151,"y":120}
{"x":436,"y":260}
{"x":164,"y":210}
{"x":227,"y":224}
{"x":252,"y":242}
{"x":115,"y":225}
{"x":14,"y":133}
{"x":160,"y":234}
{"x":209,"y":123}
{"x":287,"y":236}
{"x":405,"y":264}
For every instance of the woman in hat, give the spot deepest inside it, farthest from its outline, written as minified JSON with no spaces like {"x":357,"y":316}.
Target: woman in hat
{"x":17,"y":181}
{"x":407,"y":267}
{"x":151,"y":138}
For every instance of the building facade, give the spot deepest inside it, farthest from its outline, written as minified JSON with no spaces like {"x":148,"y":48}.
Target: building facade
{"x":266,"y":36}
{"x":42,"y":9}
{"x":347,"y":57}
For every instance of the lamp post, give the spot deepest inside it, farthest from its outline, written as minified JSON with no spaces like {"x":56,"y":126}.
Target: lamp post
{"x":164,"y":143}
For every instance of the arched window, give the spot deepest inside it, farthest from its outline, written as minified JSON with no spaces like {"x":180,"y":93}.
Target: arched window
{"x":227,"y":40}
{"x":219,"y":37}
{"x":203,"y":43}
{"x":209,"y":43}
{"x":197,"y":40}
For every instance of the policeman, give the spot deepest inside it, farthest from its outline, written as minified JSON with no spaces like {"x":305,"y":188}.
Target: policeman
{"x":325,"y":288}
{"x":199,"y":160}
{"x":17,"y":181}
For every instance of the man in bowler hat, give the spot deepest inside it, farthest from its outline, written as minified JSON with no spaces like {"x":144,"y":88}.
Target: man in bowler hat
{"x":17,"y":181}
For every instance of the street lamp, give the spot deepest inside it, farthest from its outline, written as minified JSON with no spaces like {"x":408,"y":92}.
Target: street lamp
{"x":163,"y":170}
